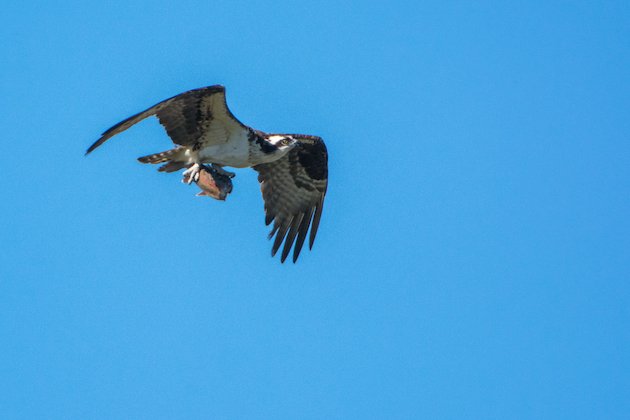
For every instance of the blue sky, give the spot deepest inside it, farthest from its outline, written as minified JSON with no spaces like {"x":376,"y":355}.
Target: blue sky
{"x":473,"y":257}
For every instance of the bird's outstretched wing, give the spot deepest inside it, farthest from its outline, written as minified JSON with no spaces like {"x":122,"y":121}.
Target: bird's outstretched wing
{"x":199,"y":116}
{"x":293,"y":188}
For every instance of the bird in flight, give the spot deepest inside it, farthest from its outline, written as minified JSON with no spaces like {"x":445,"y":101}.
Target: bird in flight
{"x":292,"y":168}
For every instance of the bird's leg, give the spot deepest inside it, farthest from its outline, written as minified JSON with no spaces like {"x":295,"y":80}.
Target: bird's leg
{"x":191,"y":174}
{"x":222,"y":171}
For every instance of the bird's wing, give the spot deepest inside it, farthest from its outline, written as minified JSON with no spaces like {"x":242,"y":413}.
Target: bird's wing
{"x":293,"y":189}
{"x":199,"y":116}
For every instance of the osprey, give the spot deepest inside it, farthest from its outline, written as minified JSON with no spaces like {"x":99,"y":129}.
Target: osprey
{"x":292,"y":168}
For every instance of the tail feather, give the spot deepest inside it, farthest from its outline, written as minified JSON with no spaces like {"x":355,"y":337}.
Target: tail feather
{"x":161,"y":157}
{"x":173,"y":166}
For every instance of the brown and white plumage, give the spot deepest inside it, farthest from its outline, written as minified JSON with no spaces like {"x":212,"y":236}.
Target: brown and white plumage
{"x":190,"y":117}
{"x":292,"y":168}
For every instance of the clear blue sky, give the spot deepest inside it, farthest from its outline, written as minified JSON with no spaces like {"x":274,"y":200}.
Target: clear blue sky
{"x":473,"y":260}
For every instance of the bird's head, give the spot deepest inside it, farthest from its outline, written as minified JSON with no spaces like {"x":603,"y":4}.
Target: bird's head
{"x":272,"y":147}
{"x":282,"y":142}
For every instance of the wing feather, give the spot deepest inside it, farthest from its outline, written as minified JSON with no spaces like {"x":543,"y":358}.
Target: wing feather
{"x":197,"y":116}
{"x":288,"y":243}
{"x":306,"y":221}
{"x":282,"y":231}
{"x":316,"y":218}
{"x":293,"y":188}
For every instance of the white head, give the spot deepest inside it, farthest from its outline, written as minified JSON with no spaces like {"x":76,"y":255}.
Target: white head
{"x":271,"y":147}
{"x":282,"y":142}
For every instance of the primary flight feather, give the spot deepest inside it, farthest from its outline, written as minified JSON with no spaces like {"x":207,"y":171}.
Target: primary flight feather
{"x":292,"y":168}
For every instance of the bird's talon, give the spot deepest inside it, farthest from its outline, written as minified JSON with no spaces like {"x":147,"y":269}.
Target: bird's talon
{"x":191,"y":174}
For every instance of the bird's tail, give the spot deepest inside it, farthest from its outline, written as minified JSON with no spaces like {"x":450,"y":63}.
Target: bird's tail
{"x":175,"y":160}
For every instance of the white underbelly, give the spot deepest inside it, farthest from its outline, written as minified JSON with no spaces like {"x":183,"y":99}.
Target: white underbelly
{"x":234,"y":153}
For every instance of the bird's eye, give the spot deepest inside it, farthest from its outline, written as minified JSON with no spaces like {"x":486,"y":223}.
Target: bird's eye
{"x":285,"y":142}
